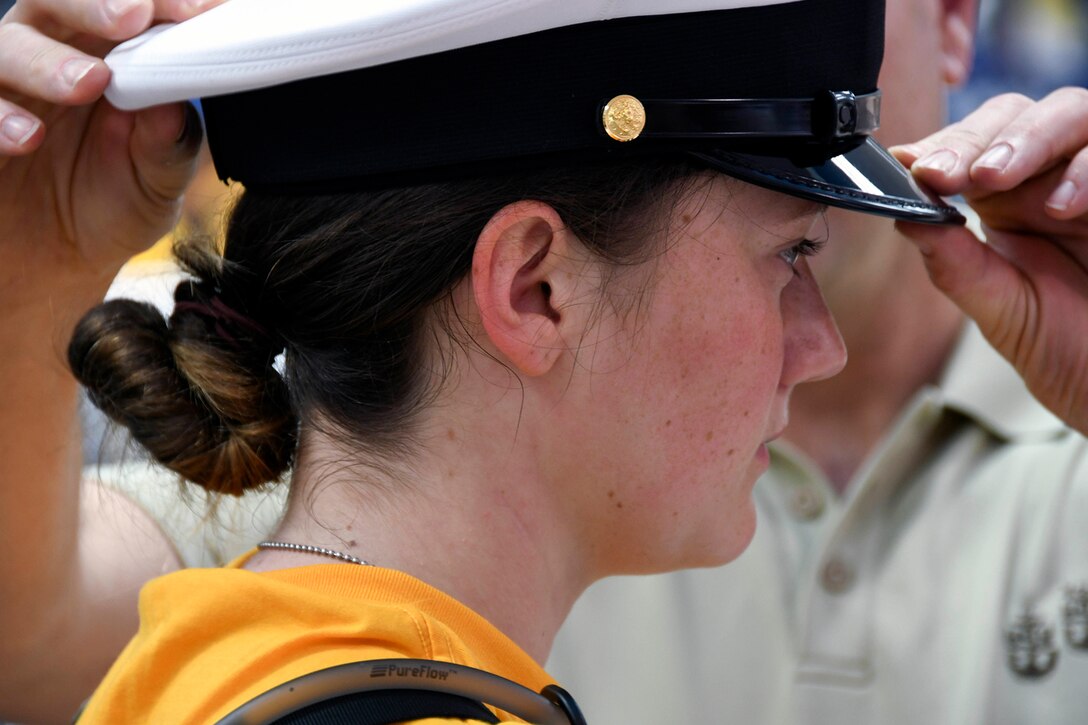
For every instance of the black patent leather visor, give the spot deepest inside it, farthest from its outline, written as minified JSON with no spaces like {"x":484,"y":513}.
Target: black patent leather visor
{"x":866,"y":179}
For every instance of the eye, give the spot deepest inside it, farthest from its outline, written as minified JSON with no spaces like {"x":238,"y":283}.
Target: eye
{"x":805,"y":248}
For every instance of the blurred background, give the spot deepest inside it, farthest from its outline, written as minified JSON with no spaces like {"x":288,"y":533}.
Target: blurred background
{"x":1027,"y":46}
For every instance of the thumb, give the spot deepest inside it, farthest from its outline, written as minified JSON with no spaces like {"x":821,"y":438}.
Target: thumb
{"x":979,"y":280}
{"x":164,"y":146}
{"x":131,"y":194}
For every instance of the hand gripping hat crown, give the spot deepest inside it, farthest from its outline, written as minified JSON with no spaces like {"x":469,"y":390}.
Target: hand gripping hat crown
{"x":330,"y":94}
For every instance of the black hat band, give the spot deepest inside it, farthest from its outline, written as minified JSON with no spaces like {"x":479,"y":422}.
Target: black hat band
{"x":831,"y":116}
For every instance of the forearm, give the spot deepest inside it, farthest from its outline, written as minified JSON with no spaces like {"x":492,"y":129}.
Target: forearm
{"x":40,"y":463}
{"x":87,"y":188}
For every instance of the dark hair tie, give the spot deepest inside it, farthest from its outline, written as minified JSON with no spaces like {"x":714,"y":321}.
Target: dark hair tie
{"x":227,"y":319}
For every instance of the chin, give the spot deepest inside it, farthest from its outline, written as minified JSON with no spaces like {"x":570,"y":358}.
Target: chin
{"x":738,"y":543}
{"x":710,"y":535}
{"x":732,"y":540}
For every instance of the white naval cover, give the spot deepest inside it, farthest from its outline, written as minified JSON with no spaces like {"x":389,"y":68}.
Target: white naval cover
{"x":247,"y":44}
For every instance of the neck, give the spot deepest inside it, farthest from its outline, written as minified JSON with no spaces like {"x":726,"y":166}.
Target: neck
{"x":899,"y":331}
{"x":474,"y":527}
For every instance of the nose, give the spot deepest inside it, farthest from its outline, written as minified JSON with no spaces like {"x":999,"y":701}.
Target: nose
{"x":813,"y":348}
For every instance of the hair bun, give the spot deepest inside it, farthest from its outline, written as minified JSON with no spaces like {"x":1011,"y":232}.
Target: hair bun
{"x":202,"y":410}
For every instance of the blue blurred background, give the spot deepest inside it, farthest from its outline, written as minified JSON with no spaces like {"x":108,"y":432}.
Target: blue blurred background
{"x":1027,"y":46}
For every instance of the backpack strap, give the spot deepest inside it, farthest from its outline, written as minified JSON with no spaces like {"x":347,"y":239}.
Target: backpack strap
{"x":385,"y":707}
{"x":380,"y":692}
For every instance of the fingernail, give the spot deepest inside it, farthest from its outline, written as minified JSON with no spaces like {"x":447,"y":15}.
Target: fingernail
{"x":944,"y":161}
{"x":19,"y":129}
{"x":1063,"y":196}
{"x":75,"y":70}
{"x":117,"y":9}
{"x":997,"y":158}
{"x":908,"y":149}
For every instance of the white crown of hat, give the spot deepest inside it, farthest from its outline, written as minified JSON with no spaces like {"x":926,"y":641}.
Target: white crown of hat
{"x":247,"y":44}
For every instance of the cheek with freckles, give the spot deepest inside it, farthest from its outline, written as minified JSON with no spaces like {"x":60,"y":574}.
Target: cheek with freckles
{"x":721,"y":354}
{"x":713,"y":417}
{"x":718,"y":416}
{"x":683,"y":391}
{"x":695,"y":383}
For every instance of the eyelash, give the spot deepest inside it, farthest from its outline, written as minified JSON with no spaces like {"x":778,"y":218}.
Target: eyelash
{"x":805,"y":248}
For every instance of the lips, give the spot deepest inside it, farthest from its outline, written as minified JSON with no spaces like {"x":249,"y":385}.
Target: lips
{"x":775,"y":435}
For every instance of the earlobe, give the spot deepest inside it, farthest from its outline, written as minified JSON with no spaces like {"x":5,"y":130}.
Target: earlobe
{"x":516,"y":268}
{"x":958,"y":23}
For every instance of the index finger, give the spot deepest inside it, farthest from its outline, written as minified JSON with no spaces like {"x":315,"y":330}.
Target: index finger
{"x":1045,"y":134}
{"x":63,"y":19}
{"x":944,"y":160}
{"x":111,"y":19}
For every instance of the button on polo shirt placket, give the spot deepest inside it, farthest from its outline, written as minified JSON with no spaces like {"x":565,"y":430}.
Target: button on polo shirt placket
{"x":836,"y":662}
{"x":838,"y":576}
{"x":807,"y":502}
{"x":798,"y":479}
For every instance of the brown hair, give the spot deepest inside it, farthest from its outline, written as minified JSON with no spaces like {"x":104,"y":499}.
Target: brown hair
{"x":342,"y":283}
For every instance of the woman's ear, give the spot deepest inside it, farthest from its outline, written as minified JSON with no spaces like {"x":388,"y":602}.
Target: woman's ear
{"x":958,"y":22}
{"x":525,"y":269}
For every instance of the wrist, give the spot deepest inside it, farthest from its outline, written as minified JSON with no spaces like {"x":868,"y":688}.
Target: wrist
{"x":46,"y":305}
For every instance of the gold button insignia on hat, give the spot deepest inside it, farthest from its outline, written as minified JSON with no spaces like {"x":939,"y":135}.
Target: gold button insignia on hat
{"x":624,"y":118}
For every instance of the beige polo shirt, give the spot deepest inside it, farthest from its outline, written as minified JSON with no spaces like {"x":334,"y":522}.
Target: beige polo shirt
{"x":950,"y":586}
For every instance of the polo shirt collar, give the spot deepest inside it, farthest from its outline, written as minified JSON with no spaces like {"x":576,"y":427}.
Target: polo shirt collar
{"x":982,"y":385}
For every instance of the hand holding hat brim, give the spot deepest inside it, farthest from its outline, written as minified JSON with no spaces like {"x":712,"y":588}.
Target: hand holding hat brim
{"x":1027,"y":287}
{"x":100,"y":184}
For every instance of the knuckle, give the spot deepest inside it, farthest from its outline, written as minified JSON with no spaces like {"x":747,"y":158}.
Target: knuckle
{"x":10,"y":40}
{"x":41,"y":63}
{"x":22,"y":57}
{"x":45,"y":72}
{"x":962,"y":135}
{"x":1008,"y":103}
{"x":1072,"y":95}
{"x":1033,"y":130}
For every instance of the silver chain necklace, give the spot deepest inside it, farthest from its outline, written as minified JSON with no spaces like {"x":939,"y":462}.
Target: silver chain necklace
{"x":307,"y":549}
